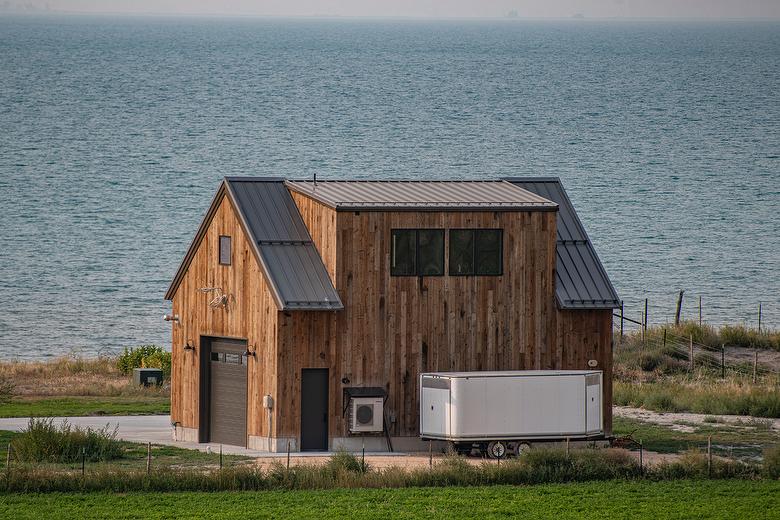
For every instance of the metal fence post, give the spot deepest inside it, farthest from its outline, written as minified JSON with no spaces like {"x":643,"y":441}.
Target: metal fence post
{"x":83,"y":461}
{"x":288,"y":455}
{"x":723,"y":361}
{"x":148,"y":457}
{"x":220,"y":456}
{"x":709,"y":456}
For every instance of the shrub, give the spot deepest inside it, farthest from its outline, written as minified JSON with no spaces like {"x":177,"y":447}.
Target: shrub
{"x":144,"y":356}
{"x":7,"y":388}
{"x":772,"y":462}
{"x":693,"y":464}
{"x":344,"y":462}
{"x":741,"y":336}
{"x":43,"y":441}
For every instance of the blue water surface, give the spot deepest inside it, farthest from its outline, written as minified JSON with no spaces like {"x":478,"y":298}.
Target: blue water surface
{"x":114,"y":134}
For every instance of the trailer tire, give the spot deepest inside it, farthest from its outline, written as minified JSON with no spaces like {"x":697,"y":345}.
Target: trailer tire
{"x":520,"y":448}
{"x":497,"y":450}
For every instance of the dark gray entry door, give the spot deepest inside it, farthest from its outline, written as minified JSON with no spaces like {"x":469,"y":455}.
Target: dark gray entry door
{"x":314,"y":409}
{"x":227,"y":392}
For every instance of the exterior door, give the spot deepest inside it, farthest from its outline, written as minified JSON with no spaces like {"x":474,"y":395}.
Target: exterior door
{"x":227,"y":392}
{"x":593,"y":405}
{"x":314,"y":409}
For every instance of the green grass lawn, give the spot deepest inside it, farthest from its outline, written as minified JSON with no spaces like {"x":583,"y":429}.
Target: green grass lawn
{"x":612,"y":499}
{"x":81,"y":405}
{"x":730,"y":440}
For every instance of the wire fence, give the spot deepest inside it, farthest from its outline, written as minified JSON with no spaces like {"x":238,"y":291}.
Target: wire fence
{"x":740,"y":361}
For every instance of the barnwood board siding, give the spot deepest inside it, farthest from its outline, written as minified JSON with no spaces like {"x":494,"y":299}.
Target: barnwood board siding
{"x":252,"y":315}
{"x":321,"y":222}
{"x":583,"y":335}
{"x":462,"y":323}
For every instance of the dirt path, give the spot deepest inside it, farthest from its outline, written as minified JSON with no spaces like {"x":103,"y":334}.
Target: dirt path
{"x":682,"y":421}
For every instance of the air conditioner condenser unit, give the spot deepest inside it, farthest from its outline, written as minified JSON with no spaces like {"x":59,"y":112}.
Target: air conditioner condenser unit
{"x":366,"y":414}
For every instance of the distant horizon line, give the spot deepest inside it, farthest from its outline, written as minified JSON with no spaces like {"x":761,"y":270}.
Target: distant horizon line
{"x":322,"y":16}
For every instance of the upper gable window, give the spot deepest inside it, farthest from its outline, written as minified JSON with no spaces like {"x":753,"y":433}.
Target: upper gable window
{"x":417,"y":252}
{"x":476,"y":252}
{"x":224,"y":250}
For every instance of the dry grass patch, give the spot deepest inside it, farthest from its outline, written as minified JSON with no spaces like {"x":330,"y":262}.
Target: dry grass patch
{"x":72,"y":376}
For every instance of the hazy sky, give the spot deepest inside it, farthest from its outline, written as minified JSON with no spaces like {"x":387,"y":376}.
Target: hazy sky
{"x":427,"y":8}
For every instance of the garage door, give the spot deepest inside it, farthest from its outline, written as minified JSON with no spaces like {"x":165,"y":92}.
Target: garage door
{"x":227,"y":403}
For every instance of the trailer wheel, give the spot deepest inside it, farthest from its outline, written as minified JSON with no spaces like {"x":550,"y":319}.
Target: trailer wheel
{"x":522,"y":447}
{"x":497,"y":450}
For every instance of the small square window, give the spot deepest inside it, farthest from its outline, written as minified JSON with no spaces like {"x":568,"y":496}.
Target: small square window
{"x":476,"y":252}
{"x":224,"y":250}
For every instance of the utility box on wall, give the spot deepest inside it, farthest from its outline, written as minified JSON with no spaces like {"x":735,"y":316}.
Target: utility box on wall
{"x":147,"y":376}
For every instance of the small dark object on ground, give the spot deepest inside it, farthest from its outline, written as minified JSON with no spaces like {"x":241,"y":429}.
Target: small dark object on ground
{"x":147,"y":376}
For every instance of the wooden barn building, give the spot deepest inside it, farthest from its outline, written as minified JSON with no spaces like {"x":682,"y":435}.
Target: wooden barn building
{"x":298,"y":299}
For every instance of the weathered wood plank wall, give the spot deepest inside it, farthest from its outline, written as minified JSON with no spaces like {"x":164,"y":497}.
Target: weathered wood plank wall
{"x":251,"y":314}
{"x":393,"y":328}
{"x":584,"y":335}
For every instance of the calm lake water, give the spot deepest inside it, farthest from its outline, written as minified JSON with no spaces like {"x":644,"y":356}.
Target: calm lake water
{"x":114,"y":134}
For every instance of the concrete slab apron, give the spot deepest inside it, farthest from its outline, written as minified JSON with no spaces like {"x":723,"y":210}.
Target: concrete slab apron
{"x":156,"y":429}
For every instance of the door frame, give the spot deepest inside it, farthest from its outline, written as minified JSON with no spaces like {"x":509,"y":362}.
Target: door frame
{"x":204,"y":390}
{"x":327,"y":407}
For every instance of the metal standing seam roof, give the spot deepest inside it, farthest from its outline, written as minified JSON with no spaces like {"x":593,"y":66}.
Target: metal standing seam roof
{"x":581,"y":281}
{"x":282,"y":244}
{"x":369,"y":195}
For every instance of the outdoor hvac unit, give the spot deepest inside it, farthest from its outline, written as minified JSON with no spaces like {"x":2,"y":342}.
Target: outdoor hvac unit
{"x":366,"y":414}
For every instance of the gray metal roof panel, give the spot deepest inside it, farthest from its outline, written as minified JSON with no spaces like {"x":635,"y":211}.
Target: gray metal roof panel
{"x":580,"y":279}
{"x":494,"y":195}
{"x":288,"y":254}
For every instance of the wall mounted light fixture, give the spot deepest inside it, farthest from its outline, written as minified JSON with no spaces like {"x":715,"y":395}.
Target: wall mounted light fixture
{"x":189,"y":345}
{"x":250,"y":352}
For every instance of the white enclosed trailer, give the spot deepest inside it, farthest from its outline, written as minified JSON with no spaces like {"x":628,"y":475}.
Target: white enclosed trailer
{"x":500,"y":412}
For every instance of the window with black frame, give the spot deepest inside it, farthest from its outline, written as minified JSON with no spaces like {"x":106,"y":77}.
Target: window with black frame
{"x":417,"y":252}
{"x":476,"y":252}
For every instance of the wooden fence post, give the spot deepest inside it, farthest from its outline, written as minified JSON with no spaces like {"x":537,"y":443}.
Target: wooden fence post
{"x":755,"y":366}
{"x":679,"y":309}
{"x":641,"y":457}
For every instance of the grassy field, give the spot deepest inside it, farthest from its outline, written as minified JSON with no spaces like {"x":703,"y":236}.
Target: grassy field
{"x":72,"y":406}
{"x":657,"y":374}
{"x":738,"y":441}
{"x":75,"y":387}
{"x":616,"y":499}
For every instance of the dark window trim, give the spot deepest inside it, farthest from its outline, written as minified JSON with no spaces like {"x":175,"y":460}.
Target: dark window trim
{"x":474,"y":251}
{"x":417,"y":252}
{"x":219,"y":250}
